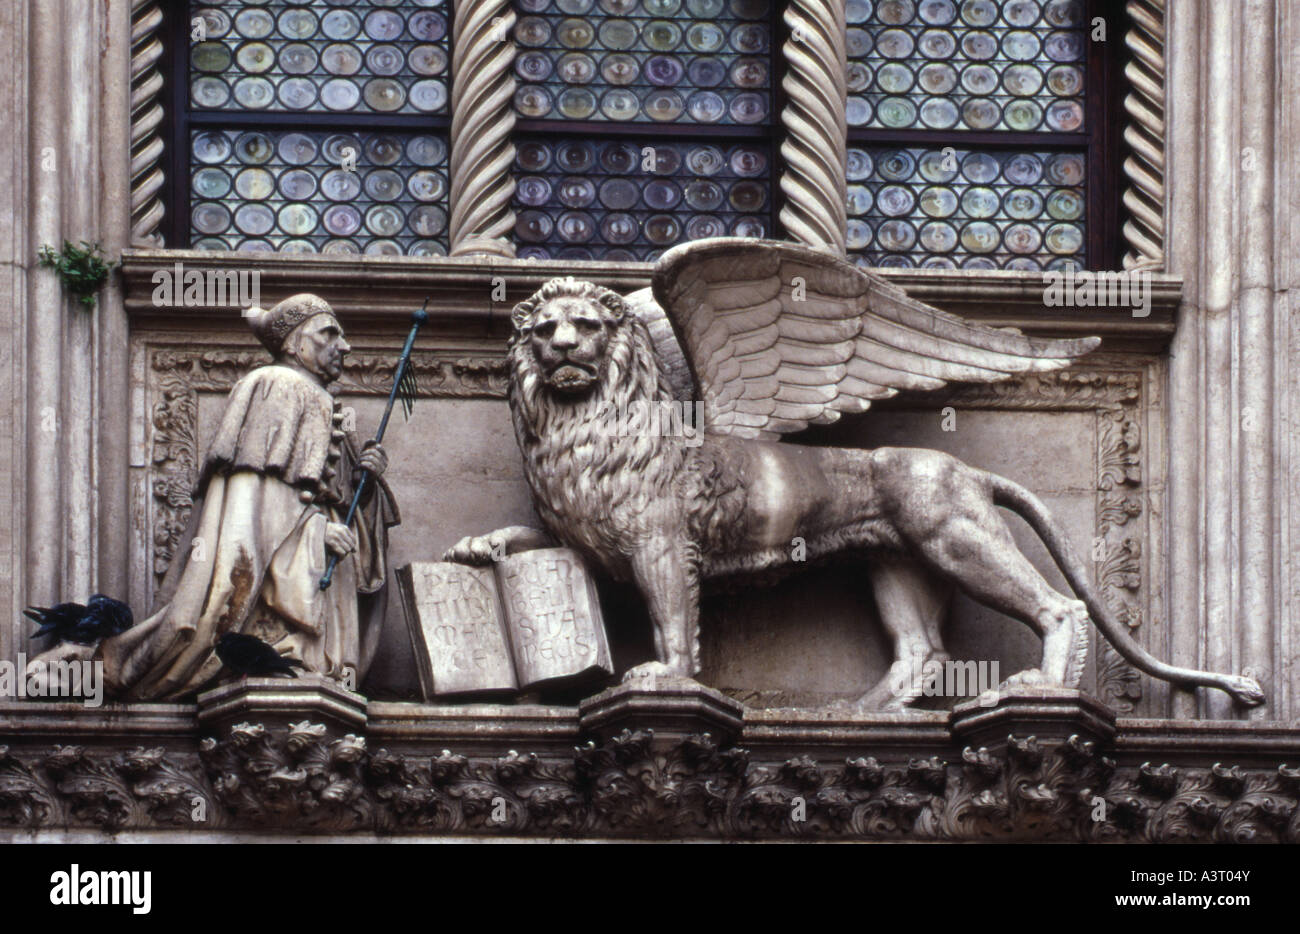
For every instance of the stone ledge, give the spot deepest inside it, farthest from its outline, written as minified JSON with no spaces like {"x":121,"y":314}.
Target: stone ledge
{"x":384,"y":290}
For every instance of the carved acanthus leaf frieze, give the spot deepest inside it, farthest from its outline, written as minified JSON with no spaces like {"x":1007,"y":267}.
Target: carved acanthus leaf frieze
{"x":302,"y":775}
{"x":75,"y":786}
{"x":304,"y":778}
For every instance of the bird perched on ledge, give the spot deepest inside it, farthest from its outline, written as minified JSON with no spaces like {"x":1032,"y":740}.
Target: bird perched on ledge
{"x":99,"y":618}
{"x":249,"y":655}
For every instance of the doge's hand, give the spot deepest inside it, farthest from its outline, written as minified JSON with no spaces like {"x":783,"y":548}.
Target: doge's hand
{"x":373,"y":458}
{"x":339,"y":538}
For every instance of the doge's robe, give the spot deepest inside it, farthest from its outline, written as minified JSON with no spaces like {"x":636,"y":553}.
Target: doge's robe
{"x":279,"y":468}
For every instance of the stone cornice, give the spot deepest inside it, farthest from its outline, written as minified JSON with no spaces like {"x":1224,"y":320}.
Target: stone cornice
{"x":384,"y":290}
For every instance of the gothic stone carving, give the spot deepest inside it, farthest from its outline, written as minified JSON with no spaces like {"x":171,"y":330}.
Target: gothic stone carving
{"x":304,"y":779}
{"x":76,"y":786}
{"x":300,"y":776}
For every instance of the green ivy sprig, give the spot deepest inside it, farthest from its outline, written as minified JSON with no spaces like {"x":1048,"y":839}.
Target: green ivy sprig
{"x":82,"y":269}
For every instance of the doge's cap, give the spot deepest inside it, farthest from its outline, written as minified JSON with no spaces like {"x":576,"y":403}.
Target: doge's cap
{"x":273,"y":326}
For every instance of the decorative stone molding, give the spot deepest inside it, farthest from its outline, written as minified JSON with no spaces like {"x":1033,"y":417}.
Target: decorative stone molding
{"x":146,"y":115}
{"x":304,"y":778}
{"x":1144,"y":167}
{"x":79,"y":786}
{"x":815,"y":147}
{"x":482,"y":119}
{"x":179,"y":375}
{"x":300,"y":775}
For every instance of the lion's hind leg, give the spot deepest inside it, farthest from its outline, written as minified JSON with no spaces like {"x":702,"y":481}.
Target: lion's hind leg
{"x":912,"y":602}
{"x":966,"y":539}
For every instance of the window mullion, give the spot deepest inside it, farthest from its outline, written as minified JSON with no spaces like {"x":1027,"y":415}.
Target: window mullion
{"x":482,"y":121}
{"x":814,"y":151}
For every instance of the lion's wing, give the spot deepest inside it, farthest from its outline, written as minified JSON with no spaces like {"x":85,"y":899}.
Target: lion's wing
{"x":780,"y":336}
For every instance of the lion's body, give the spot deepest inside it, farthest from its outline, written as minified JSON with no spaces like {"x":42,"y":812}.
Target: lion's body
{"x":664,"y":513}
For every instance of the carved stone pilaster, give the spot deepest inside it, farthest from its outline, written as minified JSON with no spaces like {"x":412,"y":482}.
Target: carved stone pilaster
{"x":1052,"y":714}
{"x":1144,"y":134}
{"x":276,"y":702}
{"x":482,"y":119}
{"x":816,"y":142}
{"x":146,"y":115}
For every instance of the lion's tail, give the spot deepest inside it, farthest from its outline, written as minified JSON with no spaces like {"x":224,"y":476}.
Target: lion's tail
{"x":1029,"y":507}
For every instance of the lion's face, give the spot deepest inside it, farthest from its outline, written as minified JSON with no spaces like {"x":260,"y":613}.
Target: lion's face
{"x":569,"y":339}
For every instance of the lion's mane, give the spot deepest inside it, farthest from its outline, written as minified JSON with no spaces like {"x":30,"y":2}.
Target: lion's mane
{"x":594,"y":488}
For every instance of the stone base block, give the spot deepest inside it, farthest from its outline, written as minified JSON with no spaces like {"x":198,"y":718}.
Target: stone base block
{"x":278,"y":702}
{"x":1051,"y":714}
{"x":673,"y":708}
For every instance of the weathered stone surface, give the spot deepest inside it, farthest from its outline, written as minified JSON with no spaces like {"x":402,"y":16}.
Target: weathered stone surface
{"x":455,"y":620}
{"x":276,"y":701}
{"x":669,"y":707}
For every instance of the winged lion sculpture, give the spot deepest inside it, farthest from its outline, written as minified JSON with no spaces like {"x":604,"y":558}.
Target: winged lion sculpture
{"x":774,"y":337}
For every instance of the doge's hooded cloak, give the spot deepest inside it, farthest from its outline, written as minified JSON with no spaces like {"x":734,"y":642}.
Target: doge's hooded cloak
{"x":279,"y":467}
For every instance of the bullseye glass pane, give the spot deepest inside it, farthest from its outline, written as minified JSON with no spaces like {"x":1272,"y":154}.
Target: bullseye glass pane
{"x":327,"y":192}
{"x":948,"y":208}
{"x":633,"y":199}
{"x":359,"y":56}
{"x":979,"y":65}
{"x":645,"y":61}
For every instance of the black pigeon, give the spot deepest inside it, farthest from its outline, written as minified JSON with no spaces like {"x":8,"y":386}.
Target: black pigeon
{"x":71,"y":622}
{"x":59,"y":619}
{"x":104,"y":617}
{"x":249,"y":655}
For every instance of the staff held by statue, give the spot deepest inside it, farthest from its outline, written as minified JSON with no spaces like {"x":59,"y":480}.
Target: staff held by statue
{"x":404,"y":389}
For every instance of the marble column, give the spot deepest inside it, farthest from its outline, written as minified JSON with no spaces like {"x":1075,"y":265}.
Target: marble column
{"x":482,"y":120}
{"x":1232,"y":106}
{"x":815,"y":149}
{"x":67,"y":112}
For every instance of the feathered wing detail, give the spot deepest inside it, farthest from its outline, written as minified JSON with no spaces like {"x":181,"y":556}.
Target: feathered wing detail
{"x":780,"y":336}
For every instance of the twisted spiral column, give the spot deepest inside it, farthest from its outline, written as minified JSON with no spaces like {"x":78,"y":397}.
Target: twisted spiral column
{"x":815,"y":147}
{"x":482,"y":118}
{"x":146,"y":115}
{"x":1144,"y":198}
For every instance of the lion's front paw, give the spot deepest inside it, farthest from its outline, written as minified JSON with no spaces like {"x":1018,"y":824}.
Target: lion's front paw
{"x":477,"y":549}
{"x":652,"y":671}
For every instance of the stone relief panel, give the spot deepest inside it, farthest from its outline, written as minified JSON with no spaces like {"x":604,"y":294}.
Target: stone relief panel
{"x":1076,"y":437}
{"x":451,"y":480}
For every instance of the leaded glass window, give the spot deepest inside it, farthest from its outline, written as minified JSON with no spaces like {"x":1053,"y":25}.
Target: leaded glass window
{"x":642,"y":123}
{"x":314,"y":127}
{"x":975,"y":133}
